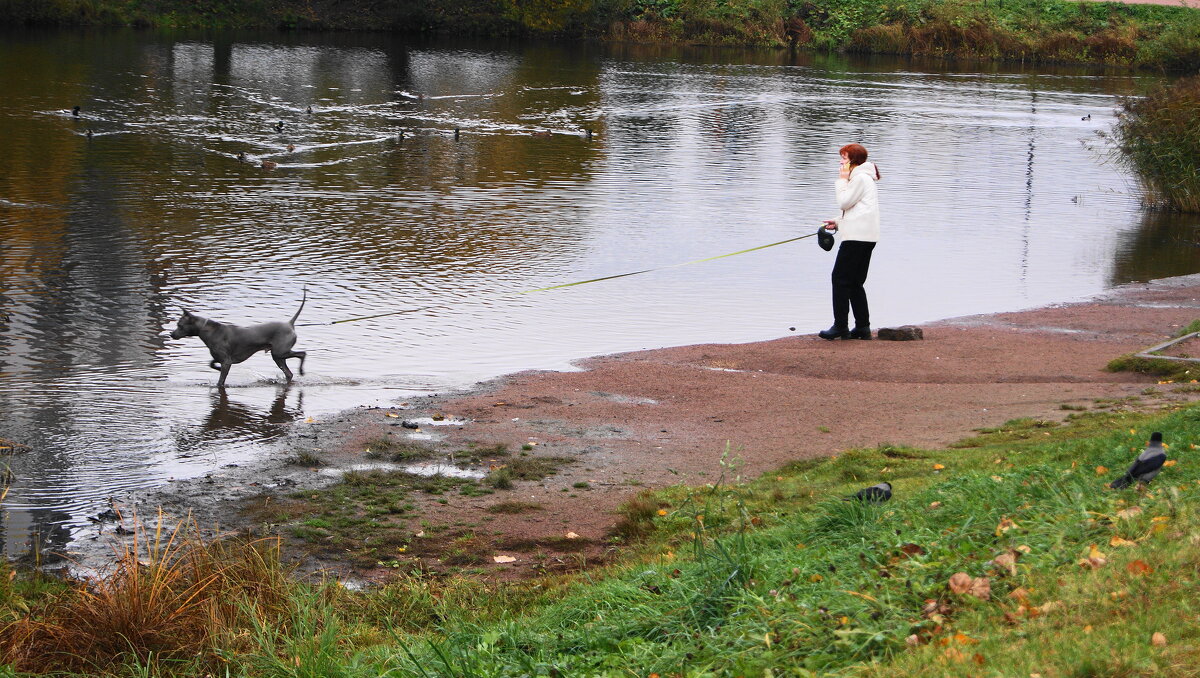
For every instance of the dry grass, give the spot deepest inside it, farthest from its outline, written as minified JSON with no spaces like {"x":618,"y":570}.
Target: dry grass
{"x":1159,"y":140}
{"x":169,"y":597}
{"x":637,"y":515}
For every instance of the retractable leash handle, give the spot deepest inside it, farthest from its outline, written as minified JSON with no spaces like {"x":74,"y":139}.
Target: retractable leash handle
{"x":824,"y":239}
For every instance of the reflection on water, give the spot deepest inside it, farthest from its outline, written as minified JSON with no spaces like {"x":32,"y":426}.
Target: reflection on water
{"x":443,"y":179}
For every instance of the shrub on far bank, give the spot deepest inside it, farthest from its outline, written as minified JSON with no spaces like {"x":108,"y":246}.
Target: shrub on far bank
{"x":1159,"y":140}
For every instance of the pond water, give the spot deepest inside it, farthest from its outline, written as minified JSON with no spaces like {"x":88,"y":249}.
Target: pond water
{"x":996,"y":194}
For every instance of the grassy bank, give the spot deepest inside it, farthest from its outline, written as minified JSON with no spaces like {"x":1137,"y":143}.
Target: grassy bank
{"x":1003,"y":555}
{"x":1022,"y":30}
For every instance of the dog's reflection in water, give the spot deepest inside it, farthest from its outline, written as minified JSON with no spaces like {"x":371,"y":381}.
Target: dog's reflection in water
{"x":229,"y":418}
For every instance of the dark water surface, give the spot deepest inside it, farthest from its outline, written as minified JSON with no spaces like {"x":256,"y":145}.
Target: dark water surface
{"x":996,"y":196}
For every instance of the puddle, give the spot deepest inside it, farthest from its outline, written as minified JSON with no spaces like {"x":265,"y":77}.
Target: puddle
{"x":361,"y":468}
{"x":426,"y":469}
{"x":431,"y":469}
{"x":624,"y":399}
{"x":429,"y":421}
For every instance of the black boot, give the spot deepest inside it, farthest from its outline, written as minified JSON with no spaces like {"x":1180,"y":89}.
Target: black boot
{"x":861,"y":332}
{"x":835,"y":332}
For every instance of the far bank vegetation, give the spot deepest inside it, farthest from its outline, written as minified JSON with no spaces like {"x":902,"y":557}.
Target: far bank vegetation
{"x":1013,"y":30}
{"x":1158,"y":138}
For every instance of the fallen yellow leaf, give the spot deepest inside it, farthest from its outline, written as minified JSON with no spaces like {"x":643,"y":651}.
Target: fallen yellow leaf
{"x":1005,"y":525}
{"x":1160,"y":519}
{"x":1093,"y":558}
{"x":1118,"y":541}
{"x":816,"y":578}
{"x":662,"y":512}
{"x":1130,"y":512}
{"x":572,"y":535}
{"x":1047,"y":608}
{"x":1158,"y":639}
{"x":1100,"y":470}
{"x":504,"y":559}
{"x":1169,"y":462}
{"x":938,"y":467}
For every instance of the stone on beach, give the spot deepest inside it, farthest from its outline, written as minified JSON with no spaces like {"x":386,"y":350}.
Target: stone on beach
{"x":903,"y":333}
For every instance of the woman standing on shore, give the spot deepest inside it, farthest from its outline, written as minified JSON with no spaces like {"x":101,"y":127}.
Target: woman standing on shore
{"x":859,"y":227}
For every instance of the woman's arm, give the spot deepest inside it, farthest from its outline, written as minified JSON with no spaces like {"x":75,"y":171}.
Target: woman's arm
{"x":850,"y":192}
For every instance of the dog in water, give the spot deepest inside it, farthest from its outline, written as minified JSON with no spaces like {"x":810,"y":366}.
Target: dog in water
{"x":230,"y":344}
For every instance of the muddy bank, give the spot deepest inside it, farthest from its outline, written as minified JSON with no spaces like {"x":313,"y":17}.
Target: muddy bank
{"x":578,"y":444}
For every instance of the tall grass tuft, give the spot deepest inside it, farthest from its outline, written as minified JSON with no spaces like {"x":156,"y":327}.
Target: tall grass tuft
{"x":170,"y":598}
{"x":1158,"y":138}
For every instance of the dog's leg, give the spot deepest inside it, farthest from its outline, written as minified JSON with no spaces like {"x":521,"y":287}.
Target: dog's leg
{"x":224,"y":373}
{"x":301,"y":355}
{"x":279,"y":360}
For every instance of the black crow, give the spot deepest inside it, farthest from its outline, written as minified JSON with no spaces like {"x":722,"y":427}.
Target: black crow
{"x":876,"y":494}
{"x":1146,"y":466}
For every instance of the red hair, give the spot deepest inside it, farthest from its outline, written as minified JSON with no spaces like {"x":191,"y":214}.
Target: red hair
{"x":857,"y":153}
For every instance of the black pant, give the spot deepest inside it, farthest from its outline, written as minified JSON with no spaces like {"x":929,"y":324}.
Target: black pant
{"x":849,"y":274}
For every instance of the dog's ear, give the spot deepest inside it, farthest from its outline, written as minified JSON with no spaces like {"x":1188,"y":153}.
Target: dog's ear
{"x":186,"y":312}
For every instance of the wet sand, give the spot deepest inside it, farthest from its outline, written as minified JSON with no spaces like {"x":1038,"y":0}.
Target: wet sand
{"x":654,"y":418}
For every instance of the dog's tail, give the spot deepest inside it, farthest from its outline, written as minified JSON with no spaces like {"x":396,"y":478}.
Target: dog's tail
{"x":292,"y":322}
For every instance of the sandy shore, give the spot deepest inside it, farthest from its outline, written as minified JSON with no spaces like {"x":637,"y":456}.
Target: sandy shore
{"x":660,"y":417}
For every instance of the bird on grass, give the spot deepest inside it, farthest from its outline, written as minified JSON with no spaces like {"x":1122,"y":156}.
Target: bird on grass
{"x":876,"y":494}
{"x":1146,"y":466}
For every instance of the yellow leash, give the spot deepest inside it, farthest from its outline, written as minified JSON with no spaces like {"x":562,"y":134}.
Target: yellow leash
{"x":580,"y":282}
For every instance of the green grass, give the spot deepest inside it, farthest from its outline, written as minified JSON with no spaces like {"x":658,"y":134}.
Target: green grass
{"x":1171,"y":371}
{"x":779,"y":574}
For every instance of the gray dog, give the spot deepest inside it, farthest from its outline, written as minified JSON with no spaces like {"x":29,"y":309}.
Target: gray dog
{"x":230,"y":344}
